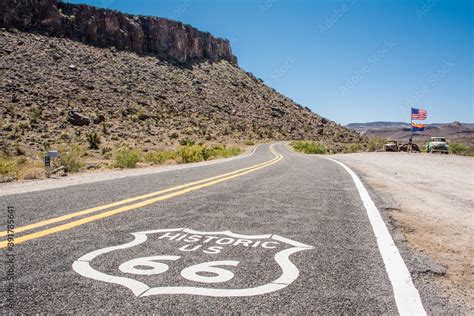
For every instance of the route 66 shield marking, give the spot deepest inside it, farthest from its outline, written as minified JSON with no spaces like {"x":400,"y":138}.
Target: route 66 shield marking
{"x":264,"y":260}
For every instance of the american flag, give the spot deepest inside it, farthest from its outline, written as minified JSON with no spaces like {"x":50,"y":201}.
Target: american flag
{"x":418,"y":114}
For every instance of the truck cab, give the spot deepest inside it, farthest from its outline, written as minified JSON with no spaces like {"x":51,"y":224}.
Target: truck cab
{"x":438,"y":144}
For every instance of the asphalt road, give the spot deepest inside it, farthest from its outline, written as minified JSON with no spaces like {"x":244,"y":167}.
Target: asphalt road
{"x":280,"y":232}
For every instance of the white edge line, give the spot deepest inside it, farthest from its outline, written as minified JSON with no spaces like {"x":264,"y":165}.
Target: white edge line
{"x":406,"y":295}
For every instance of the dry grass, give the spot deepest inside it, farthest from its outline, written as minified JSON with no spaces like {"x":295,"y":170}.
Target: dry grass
{"x":20,"y":168}
{"x":32,"y":173}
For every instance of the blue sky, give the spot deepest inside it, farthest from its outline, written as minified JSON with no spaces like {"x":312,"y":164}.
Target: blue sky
{"x":350,"y":60}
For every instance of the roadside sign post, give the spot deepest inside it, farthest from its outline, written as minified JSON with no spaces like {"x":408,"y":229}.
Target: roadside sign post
{"x":47,"y":161}
{"x":47,"y":164}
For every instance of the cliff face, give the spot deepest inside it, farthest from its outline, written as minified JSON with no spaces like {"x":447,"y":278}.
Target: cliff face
{"x":169,"y":40}
{"x":136,"y":100}
{"x":59,"y":85}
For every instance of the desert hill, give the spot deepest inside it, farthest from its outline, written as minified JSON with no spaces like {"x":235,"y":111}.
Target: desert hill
{"x":64,"y":77}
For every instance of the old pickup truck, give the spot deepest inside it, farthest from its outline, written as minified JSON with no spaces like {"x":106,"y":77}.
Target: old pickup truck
{"x":438,"y":144}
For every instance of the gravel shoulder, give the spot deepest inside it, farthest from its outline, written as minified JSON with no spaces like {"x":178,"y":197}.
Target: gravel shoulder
{"x":27,"y":186}
{"x":436,"y":198}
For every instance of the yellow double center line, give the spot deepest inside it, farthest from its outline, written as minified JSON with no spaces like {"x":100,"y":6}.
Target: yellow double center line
{"x":145,"y":200}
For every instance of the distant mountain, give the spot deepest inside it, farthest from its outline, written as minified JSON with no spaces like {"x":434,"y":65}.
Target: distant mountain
{"x":380,"y":124}
{"x":401,"y":131}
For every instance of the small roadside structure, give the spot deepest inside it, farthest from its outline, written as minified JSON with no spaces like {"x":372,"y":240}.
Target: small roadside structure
{"x":47,"y":160}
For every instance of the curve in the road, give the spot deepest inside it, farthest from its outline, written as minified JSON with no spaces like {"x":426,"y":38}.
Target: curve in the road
{"x":123,"y":202}
{"x":147,"y":200}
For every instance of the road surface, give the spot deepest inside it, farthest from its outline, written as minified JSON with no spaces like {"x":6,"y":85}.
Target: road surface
{"x":272,"y":232}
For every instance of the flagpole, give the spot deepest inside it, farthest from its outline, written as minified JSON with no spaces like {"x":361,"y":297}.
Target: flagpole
{"x":411,"y":129}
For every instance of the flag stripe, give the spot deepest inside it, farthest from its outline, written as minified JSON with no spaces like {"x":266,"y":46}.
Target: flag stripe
{"x":418,"y":114}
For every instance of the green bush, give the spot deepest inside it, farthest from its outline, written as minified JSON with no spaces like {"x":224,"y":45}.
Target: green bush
{"x":222,"y":151}
{"x":196,"y":153}
{"x":94,"y":140}
{"x":469,"y":151}
{"x":457,"y":148}
{"x":70,"y":159}
{"x":249,"y":142}
{"x":376,"y":143}
{"x":8,"y":169}
{"x":308,"y":147}
{"x":127,"y":158}
{"x":461,"y":149}
{"x":159,"y":157}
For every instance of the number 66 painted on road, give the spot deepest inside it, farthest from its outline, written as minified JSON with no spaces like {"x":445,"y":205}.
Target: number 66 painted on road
{"x":191,"y":273}
{"x":207,"y":272}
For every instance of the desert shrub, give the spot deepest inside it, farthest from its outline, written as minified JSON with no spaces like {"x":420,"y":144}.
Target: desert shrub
{"x":221,"y":151}
{"x":159,"y":157}
{"x":308,"y":147}
{"x":94,"y":140}
{"x":186,"y":142}
{"x":105,"y":149}
{"x":376,"y":143}
{"x":23,"y":125}
{"x":21,"y":161}
{"x":8,"y":169}
{"x":105,"y":129}
{"x":249,"y":142}
{"x":34,"y":115}
{"x":71,"y":158}
{"x":353,"y":148}
{"x":457,"y":148}
{"x":461,"y":149}
{"x":196,"y":153}
{"x":469,"y":151}
{"x":127,"y":158}
{"x":423,"y":148}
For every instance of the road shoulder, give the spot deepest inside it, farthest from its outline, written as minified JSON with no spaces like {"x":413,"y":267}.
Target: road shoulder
{"x":440,"y":290}
{"x":27,"y":186}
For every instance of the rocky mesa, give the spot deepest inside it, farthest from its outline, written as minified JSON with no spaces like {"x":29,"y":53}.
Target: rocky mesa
{"x":74,"y":72}
{"x":167,"y":39}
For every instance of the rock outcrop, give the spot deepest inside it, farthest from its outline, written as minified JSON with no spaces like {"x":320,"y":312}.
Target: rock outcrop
{"x":77,"y":119}
{"x":167,"y":39}
{"x":140,"y":101}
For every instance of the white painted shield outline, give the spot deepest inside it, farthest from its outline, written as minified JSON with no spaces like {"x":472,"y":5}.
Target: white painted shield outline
{"x":290,"y":272}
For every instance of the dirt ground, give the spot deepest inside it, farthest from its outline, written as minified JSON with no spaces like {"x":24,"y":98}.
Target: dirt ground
{"x":436,"y":196}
